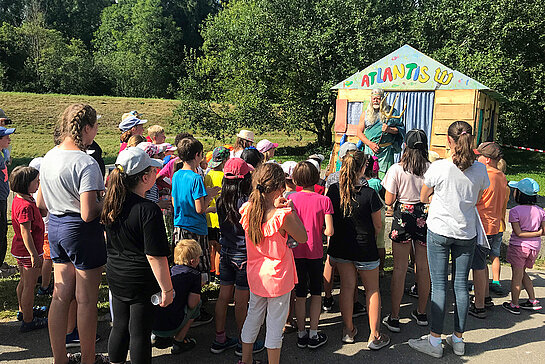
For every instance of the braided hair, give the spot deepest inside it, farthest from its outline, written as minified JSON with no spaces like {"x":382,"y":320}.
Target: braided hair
{"x":73,"y":120}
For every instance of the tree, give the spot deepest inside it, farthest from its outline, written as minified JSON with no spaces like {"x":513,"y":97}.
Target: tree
{"x":136,"y":46}
{"x":274,"y":61}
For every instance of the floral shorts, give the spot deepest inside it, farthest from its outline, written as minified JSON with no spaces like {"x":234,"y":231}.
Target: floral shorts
{"x":409,"y":223}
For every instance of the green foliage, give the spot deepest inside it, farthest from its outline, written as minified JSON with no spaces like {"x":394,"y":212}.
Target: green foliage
{"x":136,"y":47}
{"x":35,"y":58}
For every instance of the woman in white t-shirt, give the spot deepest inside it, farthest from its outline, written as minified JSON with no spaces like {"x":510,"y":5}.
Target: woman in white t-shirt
{"x":403,"y":183}
{"x":70,"y":189}
{"x":456,"y":184}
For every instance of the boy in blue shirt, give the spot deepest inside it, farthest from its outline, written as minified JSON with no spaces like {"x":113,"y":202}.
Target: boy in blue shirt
{"x":190,"y":199}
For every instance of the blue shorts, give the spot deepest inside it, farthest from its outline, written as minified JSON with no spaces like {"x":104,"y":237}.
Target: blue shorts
{"x":73,"y":240}
{"x":359,"y":265}
{"x":233,"y":268}
{"x":495,"y":244}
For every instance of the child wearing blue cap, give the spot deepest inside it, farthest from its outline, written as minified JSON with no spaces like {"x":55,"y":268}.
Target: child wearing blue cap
{"x":528,"y":222}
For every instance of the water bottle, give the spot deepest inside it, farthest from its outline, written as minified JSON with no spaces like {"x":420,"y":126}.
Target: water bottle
{"x":157,"y":298}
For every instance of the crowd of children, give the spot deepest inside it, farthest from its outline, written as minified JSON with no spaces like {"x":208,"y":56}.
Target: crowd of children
{"x":268,"y":234}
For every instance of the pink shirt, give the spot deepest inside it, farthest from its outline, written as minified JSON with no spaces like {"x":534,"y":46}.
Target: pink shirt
{"x":406,"y":186}
{"x":311,"y":208}
{"x":168,"y":170}
{"x":530,"y":218}
{"x":270,"y":266}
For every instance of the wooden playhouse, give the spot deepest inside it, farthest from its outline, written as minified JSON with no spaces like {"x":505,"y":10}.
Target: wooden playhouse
{"x":434,"y":94}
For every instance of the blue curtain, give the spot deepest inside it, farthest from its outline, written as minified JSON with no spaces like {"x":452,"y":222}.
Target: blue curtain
{"x":419,"y":113}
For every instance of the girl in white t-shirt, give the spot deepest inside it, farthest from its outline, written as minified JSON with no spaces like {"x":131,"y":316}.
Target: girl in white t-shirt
{"x":403,"y":183}
{"x":456,"y":184}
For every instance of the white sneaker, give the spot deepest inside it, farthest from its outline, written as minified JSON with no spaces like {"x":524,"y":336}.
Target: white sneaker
{"x":458,"y":348}
{"x":423,"y":345}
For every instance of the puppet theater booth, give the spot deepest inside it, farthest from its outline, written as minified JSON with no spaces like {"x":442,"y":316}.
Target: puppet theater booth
{"x":433,"y":94}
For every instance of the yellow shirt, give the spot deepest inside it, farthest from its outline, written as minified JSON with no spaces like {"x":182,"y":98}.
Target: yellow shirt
{"x":212,"y":179}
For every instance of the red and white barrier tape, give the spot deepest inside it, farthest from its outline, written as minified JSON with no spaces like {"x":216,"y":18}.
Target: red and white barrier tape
{"x":523,"y":148}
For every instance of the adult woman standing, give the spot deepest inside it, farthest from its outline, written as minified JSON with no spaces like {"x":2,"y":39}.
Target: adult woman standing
{"x":70,"y":189}
{"x":137,"y":255}
{"x":456,"y":183}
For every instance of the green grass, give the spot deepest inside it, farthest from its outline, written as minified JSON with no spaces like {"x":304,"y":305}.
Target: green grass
{"x":521,"y":164}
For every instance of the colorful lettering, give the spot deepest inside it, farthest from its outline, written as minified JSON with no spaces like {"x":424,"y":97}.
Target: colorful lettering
{"x":424,"y":77}
{"x":379,"y":76}
{"x":399,"y":71}
{"x":416,"y":73}
{"x":365,"y":81}
{"x":410,"y":68}
{"x":444,"y":78}
{"x":372,"y":75}
{"x":388,"y":74}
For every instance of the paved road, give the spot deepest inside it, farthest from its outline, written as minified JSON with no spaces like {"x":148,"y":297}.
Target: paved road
{"x":502,"y":337}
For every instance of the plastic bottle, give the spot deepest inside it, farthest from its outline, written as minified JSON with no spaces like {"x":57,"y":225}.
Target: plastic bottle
{"x":157,"y":298}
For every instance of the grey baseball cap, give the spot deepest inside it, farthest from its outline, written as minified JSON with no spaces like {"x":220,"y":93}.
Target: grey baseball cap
{"x":134,"y":160}
{"x":345,"y":148}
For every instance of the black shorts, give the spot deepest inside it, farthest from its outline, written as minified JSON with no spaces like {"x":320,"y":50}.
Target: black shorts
{"x":310,"y":276}
{"x":214,"y":234}
{"x":409,"y":223}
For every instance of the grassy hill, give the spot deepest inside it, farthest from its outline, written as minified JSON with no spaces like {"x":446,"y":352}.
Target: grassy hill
{"x":34,"y":116}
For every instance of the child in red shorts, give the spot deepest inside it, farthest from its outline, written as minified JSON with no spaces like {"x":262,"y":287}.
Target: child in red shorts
{"x":27,"y":245}
{"x":528,"y":221}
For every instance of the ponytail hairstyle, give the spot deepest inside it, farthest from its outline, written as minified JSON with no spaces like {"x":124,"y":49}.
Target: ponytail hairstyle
{"x":118,"y":187}
{"x":73,"y":120}
{"x":232,"y":190}
{"x":125,"y":136}
{"x":349,"y":174}
{"x":268,"y":178}
{"x":463,"y":155}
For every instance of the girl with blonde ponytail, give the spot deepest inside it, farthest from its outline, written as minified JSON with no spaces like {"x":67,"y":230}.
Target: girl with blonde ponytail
{"x":268,"y":219}
{"x":353,"y":247}
{"x":457,"y":184}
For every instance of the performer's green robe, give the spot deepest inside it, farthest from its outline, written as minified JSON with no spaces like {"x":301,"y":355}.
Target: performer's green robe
{"x":390,"y":144}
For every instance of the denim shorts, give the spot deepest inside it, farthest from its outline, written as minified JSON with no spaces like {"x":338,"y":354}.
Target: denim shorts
{"x":359,"y":265}
{"x":479,"y":257}
{"x":73,"y":240}
{"x":495,"y":244}
{"x":233,"y":268}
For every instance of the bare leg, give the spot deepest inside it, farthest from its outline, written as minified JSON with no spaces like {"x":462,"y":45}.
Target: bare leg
{"x":315,"y":310}
{"x":72,"y":316}
{"x":496,"y":268}
{"x":370,"y":280}
{"x":516,"y":282}
{"x":273,"y":355}
{"x":382,"y":256}
{"x":347,"y":272}
{"x":29,"y":277}
{"x":401,"y":256}
{"x":329,"y":270}
{"x":486,"y":287}
{"x":247,"y":352}
{"x":20,"y":286}
{"x":87,"y":283}
{"x":47,"y":268}
{"x":242,"y":296}
{"x":528,"y":286}
{"x":480,"y":281}
{"x":63,"y":293}
{"x":422,"y":277}
{"x":226,"y":292}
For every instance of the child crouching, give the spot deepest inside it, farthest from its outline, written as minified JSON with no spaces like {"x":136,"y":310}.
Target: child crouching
{"x":172,"y":322}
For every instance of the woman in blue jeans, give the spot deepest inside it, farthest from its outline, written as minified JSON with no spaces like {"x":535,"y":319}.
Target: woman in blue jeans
{"x":452,"y":186}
